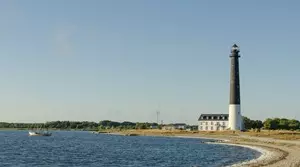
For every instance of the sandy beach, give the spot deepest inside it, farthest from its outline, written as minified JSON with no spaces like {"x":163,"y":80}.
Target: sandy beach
{"x":274,"y":152}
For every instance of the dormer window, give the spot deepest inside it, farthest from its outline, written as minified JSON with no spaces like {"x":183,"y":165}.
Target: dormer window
{"x":213,"y":117}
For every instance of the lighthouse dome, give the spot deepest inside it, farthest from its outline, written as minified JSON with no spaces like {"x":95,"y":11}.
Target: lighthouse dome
{"x":235,"y":48}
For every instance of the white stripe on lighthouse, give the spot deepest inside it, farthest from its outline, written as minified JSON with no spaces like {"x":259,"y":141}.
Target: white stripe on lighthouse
{"x":234,"y":117}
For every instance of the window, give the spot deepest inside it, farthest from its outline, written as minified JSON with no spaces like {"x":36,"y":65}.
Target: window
{"x":200,"y":128}
{"x":211,"y":128}
{"x":200,"y":123}
{"x":206,"y":128}
{"x":211,"y":123}
{"x":223,"y":123}
{"x":206,"y":123}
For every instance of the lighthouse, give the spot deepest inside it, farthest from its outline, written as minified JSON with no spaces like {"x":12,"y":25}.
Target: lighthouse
{"x":235,"y":118}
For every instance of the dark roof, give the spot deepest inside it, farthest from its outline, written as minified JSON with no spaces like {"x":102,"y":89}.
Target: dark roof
{"x":211,"y":116}
{"x":234,"y":46}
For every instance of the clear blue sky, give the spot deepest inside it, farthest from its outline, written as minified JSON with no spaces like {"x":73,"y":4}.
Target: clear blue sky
{"x":123,"y":60}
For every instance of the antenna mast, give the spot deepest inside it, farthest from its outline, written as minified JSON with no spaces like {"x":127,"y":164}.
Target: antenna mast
{"x":157,"y":116}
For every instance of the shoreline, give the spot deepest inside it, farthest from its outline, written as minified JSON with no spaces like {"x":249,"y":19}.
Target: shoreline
{"x":271,"y":154}
{"x":266,"y":154}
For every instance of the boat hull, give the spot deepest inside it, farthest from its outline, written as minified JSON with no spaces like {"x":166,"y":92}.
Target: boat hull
{"x":40,"y":134}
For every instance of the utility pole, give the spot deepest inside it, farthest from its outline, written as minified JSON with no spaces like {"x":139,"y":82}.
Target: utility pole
{"x":157,"y":116}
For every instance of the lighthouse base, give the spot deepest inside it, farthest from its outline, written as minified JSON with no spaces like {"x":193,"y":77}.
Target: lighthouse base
{"x":235,"y":118}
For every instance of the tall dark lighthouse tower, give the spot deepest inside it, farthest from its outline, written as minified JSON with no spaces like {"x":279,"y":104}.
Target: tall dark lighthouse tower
{"x":235,"y":118}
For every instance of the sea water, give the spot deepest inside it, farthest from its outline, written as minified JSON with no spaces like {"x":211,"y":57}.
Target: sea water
{"x":77,"y":148}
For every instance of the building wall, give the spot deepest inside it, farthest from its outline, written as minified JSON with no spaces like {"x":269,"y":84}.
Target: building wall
{"x":182,"y":127}
{"x":212,"y":125}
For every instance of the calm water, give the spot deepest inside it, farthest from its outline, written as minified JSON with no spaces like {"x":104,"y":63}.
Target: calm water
{"x":86,"y":149}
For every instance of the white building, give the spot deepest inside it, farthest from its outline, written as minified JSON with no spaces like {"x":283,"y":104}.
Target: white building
{"x":153,"y":127}
{"x":213,"y":122}
{"x":179,"y":126}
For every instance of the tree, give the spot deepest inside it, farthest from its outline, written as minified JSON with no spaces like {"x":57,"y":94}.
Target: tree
{"x":271,"y":124}
{"x":268,"y":124}
{"x":258,"y":124}
{"x":141,"y":126}
{"x":283,"y":124}
{"x":247,"y":123}
{"x":252,"y":124}
{"x":293,"y":124}
{"x":104,"y":123}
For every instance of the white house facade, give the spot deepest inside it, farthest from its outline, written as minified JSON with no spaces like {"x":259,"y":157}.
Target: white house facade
{"x":213,"y":122}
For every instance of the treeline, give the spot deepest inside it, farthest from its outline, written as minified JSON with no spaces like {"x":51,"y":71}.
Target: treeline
{"x":106,"y":124}
{"x":71,"y":125}
{"x":52,"y":125}
{"x":252,"y":124}
{"x":269,"y":124}
{"x":272,"y":124}
{"x":281,"y":123}
{"x":15,"y":125}
{"x":80,"y":125}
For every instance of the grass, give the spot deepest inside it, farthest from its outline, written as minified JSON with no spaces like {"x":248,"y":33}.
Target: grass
{"x":277,"y":134}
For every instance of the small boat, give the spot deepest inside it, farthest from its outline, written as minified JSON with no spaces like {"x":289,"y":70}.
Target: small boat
{"x":39,"y":133}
